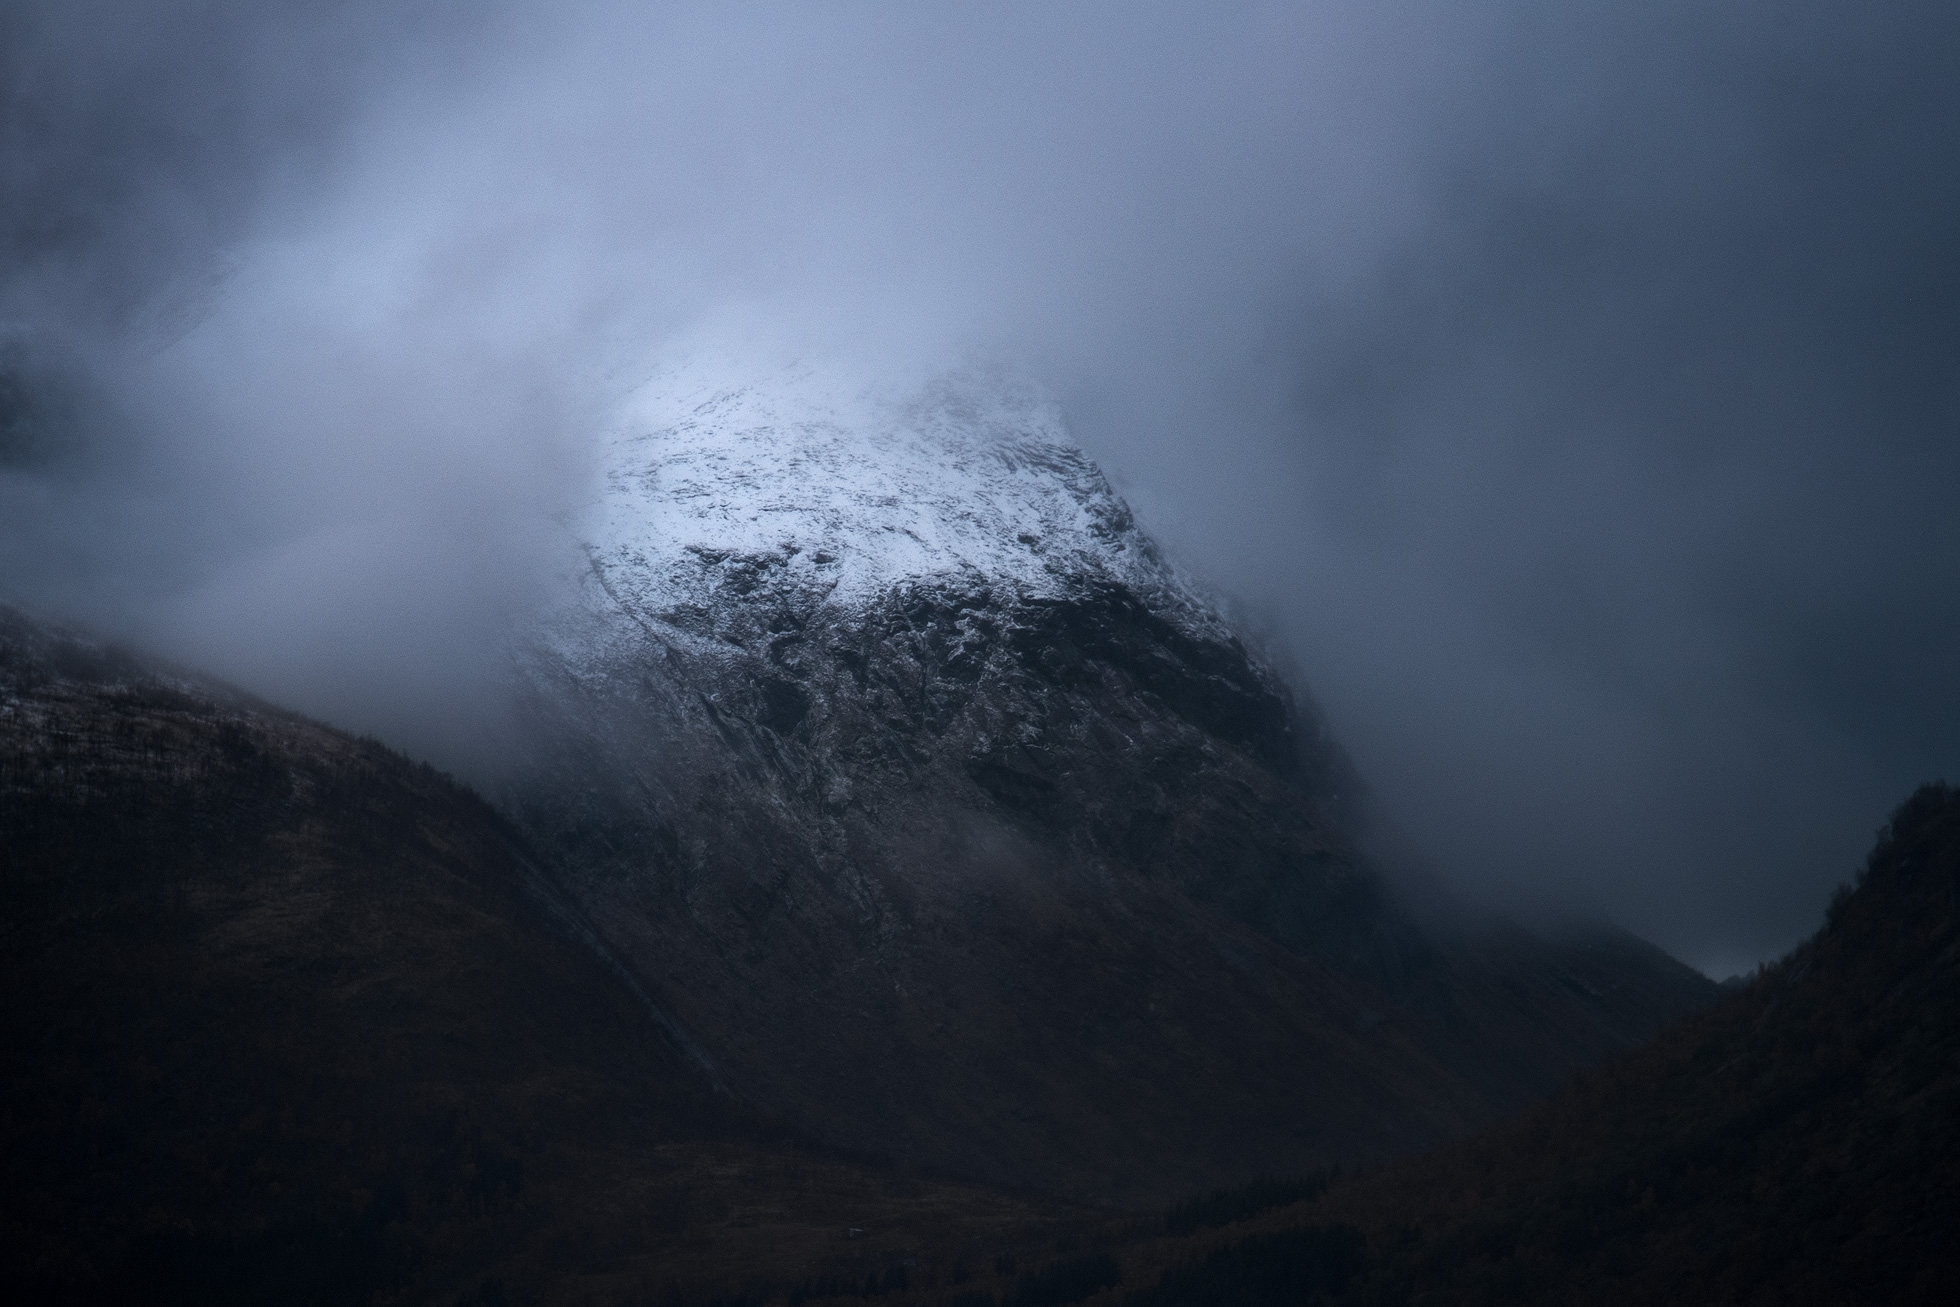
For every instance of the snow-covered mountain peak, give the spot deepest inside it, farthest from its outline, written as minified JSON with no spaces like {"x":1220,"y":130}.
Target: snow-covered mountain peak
{"x":831,"y":492}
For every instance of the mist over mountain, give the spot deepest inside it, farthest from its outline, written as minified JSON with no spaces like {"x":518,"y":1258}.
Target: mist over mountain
{"x":1788,"y":1143}
{"x":1569,"y":391}
{"x":954,"y":825}
{"x":889,"y":834}
{"x":656,"y":654}
{"x":291,"y":1017}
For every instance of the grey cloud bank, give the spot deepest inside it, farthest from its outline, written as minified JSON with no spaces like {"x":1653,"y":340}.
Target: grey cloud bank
{"x":1572,"y":392}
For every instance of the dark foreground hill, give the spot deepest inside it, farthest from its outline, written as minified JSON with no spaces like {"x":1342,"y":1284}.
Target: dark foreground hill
{"x":290,"y":1019}
{"x":1799,"y":1143}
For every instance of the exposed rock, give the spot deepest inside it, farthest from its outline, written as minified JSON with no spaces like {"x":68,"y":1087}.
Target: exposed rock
{"x":899,"y":765}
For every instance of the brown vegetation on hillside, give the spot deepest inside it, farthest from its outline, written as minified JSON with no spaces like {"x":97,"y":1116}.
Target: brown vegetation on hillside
{"x":288,"y":1019}
{"x":291,"y":1018}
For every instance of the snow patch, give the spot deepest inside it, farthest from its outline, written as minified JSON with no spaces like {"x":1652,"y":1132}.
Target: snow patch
{"x":718,"y":486}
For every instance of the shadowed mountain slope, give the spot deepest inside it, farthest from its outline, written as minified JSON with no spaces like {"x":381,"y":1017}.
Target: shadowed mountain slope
{"x":1794,"y":1144}
{"x":889,"y":795}
{"x":289,"y":1018}
{"x":954,"y":826}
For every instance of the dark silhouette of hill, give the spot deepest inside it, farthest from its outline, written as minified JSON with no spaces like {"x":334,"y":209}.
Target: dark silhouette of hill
{"x":289,"y":1018}
{"x":1795,"y":1144}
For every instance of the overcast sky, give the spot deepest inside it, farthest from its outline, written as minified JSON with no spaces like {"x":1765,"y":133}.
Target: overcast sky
{"x":1570,"y":389}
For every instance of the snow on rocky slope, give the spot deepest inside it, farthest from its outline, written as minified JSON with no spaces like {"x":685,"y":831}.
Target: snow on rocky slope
{"x":951,"y":825}
{"x":836,"y":490}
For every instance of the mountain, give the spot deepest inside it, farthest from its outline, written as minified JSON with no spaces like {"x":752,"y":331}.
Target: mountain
{"x":289,"y":1018}
{"x":1792,"y":1144}
{"x":953,"y":826}
{"x":901,"y":869}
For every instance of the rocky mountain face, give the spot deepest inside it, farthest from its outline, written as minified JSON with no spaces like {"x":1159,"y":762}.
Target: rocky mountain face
{"x":893,"y":819}
{"x":291,"y":1018}
{"x":952,"y":826}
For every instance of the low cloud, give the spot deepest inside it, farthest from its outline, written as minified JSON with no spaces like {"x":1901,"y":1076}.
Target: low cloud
{"x":1571,"y":390}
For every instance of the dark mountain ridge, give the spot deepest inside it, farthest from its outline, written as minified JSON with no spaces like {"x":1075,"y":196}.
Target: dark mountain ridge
{"x":1792,"y":1144}
{"x":290,"y":1018}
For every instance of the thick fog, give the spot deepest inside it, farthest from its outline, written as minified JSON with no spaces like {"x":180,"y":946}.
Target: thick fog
{"x":1569,"y":390}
